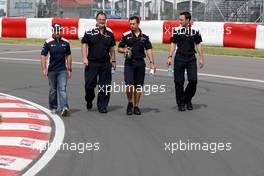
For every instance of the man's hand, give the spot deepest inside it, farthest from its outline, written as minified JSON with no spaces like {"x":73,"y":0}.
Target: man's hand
{"x":201,"y":62}
{"x":114,"y":65}
{"x":152,"y":66}
{"x":201,"y":55}
{"x":169,"y":61}
{"x":127,"y":49}
{"x":69,"y":74}
{"x":85,"y":61}
{"x":44,"y":72}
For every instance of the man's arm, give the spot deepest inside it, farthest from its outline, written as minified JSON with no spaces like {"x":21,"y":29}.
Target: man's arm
{"x":121,"y":50}
{"x":43,"y":65}
{"x":113,"y":56}
{"x":122,"y":47}
{"x":171,"y":51}
{"x":69,"y":65}
{"x":150,"y":58}
{"x":84,"y":48}
{"x":150,"y":55}
{"x":201,"y":54}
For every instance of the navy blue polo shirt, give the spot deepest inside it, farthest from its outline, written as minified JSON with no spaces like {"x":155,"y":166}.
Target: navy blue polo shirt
{"x":138,"y":44}
{"x":58,"y":49}
{"x":186,"y":39}
{"x":99,"y":44}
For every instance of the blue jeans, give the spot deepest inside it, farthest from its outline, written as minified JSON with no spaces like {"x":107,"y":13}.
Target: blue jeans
{"x":57,"y":89}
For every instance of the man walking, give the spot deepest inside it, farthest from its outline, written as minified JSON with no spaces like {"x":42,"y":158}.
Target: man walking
{"x":134,"y":44}
{"x":59,"y":70}
{"x":98,"y":53}
{"x":186,"y":39}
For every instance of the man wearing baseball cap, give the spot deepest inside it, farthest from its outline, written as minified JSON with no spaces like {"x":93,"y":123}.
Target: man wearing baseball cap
{"x":59,"y":69}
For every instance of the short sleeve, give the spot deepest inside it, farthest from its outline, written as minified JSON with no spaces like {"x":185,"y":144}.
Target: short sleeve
{"x":113,"y":43}
{"x":68,"y":49}
{"x":86,"y":38}
{"x":45,"y":49}
{"x":148,"y":44}
{"x":198,"y":38}
{"x":174,"y":37}
{"x":123,"y":42}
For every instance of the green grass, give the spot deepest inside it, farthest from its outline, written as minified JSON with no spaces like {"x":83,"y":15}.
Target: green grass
{"x":34,"y":42}
{"x":211,"y":50}
{"x":234,"y":51}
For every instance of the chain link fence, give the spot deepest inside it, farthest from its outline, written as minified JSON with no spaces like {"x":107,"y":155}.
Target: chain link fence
{"x":202,"y":10}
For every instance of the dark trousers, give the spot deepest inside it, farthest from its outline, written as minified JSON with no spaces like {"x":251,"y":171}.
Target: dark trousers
{"x":134,"y":72}
{"x":98,"y":74}
{"x":180,"y":65}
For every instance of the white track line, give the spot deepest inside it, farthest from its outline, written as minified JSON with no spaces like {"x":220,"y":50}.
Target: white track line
{"x":54,"y":145}
{"x":161,"y":70}
{"x":16,"y":52}
{"x":27,"y":51}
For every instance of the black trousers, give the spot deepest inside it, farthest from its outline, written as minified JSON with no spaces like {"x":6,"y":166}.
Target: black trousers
{"x":98,"y":74}
{"x":180,"y":65}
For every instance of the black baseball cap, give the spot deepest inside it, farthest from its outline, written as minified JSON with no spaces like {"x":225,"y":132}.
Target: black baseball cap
{"x":56,"y":27}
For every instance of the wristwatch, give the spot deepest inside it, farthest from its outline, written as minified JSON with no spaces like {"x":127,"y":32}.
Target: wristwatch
{"x":70,"y":70}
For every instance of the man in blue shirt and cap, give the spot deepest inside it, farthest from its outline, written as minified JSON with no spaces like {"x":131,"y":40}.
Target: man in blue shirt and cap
{"x":59,"y":69}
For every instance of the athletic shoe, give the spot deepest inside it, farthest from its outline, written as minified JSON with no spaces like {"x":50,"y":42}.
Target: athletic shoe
{"x":65,"y":112}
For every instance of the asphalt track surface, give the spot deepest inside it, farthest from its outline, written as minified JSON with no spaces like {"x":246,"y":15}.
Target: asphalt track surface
{"x":228,"y":109}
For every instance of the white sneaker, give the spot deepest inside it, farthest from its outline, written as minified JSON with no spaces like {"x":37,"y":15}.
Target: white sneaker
{"x":53,"y":111}
{"x":65,"y":112}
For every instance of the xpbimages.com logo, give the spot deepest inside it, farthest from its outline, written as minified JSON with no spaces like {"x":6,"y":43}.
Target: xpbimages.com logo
{"x":183,"y":146}
{"x":123,"y":88}
{"x":80,"y":147}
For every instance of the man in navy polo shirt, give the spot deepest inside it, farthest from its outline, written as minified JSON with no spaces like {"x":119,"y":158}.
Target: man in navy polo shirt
{"x":59,"y":69}
{"x":186,"y":39}
{"x":135,"y":45}
{"x":98,"y":54}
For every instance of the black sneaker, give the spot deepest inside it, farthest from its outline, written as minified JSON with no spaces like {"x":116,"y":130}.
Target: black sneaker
{"x":189,"y":106}
{"x":181,"y":107}
{"x":129,"y":109}
{"x":103,"y":110}
{"x":89,"y":106}
{"x":137,"y":111}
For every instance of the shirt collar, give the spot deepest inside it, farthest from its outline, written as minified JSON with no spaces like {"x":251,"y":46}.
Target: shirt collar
{"x":134,"y":35}
{"x":104,"y":31}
